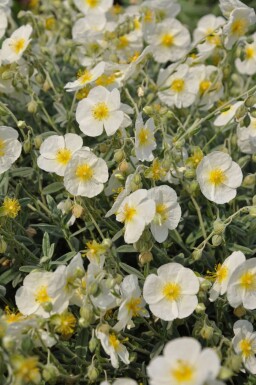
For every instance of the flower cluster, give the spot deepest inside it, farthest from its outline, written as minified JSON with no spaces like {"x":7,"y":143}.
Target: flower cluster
{"x":127,"y":192}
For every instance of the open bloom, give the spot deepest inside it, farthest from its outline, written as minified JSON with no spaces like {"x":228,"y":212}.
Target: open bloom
{"x":169,"y":40}
{"x":246,"y":137}
{"x":10,"y":147}
{"x":14,"y":46}
{"x":42,"y":294}
{"x":93,"y":6}
{"x":168,"y":212}
{"x":227,"y":115}
{"x":144,"y":139}
{"x":247,"y":66}
{"x":184,"y":363}
{"x":223,"y":273}
{"x":172,"y":292}
{"x":100,"y":109}
{"x":85,"y":174}
{"x":132,"y":305}
{"x":244,"y":343}
{"x":208,"y":28}
{"x":56,"y":152}
{"x":219,"y":177}
{"x":86,"y":77}
{"x":242,"y":285}
{"x":136,"y":211}
{"x":113,"y":347}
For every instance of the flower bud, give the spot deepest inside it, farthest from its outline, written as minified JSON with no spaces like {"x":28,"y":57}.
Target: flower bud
{"x":93,"y":344}
{"x":3,"y":246}
{"x":47,"y":306}
{"x":32,"y":106}
{"x":77,"y":210}
{"x":119,"y":156}
{"x":218,"y":227}
{"x":94,"y":289}
{"x":239,"y":311}
{"x":140,"y":92}
{"x":123,"y":166}
{"x":206,"y":332}
{"x":252,"y":212}
{"x":205,"y":285}
{"x":241,"y":112}
{"x":145,"y":257}
{"x":137,"y":179}
{"x":197,"y":254}
{"x":249,"y":180}
{"x":50,"y":373}
{"x":250,"y":101}
{"x":216,"y":240}
{"x":21,"y":124}
{"x":9,"y":343}
{"x":46,"y":86}
{"x":225,"y":373}
{"x":200,"y":309}
{"x":7,"y":75}
{"x":118,"y":279}
{"x":92,"y":373}
{"x":110,"y":283}
{"x":86,"y":314}
{"x":235,"y":362}
{"x":27,"y":146}
{"x":38,"y":141}
{"x":103,"y":148}
{"x":190,"y":173}
{"x":107,"y":243}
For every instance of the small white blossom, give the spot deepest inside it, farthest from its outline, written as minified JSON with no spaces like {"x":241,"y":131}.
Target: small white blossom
{"x":10,"y":147}
{"x":172,"y":292}
{"x":246,"y":137}
{"x":14,"y":46}
{"x":244,"y":343}
{"x":227,"y":115}
{"x":219,"y":177}
{"x":144,"y":139}
{"x":85,"y":77}
{"x":113,"y":347}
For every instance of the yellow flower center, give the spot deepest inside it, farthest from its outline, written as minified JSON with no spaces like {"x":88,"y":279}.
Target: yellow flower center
{"x":100,"y":111}
{"x":63,"y":156}
{"x":162,"y":213}
{"x":172,"y":291}
{"x":95,"y":249}
{"x":217,"y":177}
{"x":249,"y":52}
{"x":11,"y":207}
{"x":129,"y":212}
{"x":27,"y":370}
{"x":84,"y":172}
{"x":148,"y":16}
{"x":213,"y":39}
{"x":83,"y":93}
{"x":246,"y":347}
{"x":248,"y":281}
{"x":178,"y":85}
{"x":2,"y":148}
{"x":143,"y":136}
{"x":158,"y":171}
{"x":204,"y":86}
{"x":134,"y":57}
{"x":41,"y":295}
{"x":92,"y":3}
{"x":167,"y":40}
{"x":114,"y":342}
{"x":65,"y":324}
{"x":105,"y":80}
{"x":85,"y":77}
{"x":133,"y":306}
{"x":18,"y":45}
{"x":239,"y":27}
{"x":221,"y":273}
{"x":183,"y":372}
{"x":123,"y":42}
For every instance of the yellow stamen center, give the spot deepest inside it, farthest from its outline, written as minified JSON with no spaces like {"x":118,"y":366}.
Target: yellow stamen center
{"x":246,"y":347}
{"x":178,"y":85}
{"x":63,"y":156}
{"x":11,"y":207}
{"x":133,"y":306}
{"x":249,"y":52}
{"x":167,"y":40}
{"x":239,"y":27}
{"x":221,"y":273}
{"x":204,"y":86}
{"x":18,"y":45}
{"x":148,"y":16}
{"x":183,"y":372}
{"x":41,"y":295}
{"x":113,"y":340}
{"x":123,"y":42}
{"x":162,"y":213}
{"x":217,"y":177}
{"x":143,"y":136}
{"x":84,"y":172}
{"x":248,"y":281}
{"x":129,"y":212}
{"x":172,"y":291}
{"x":100,"y":111}
{"x":105,"y":80}
{"x":92,"y":3}
{"x":85,"y":77}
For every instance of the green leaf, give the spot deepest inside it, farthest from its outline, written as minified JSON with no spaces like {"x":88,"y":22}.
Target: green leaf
{"x":51,"y":229}
{"x":46,"y":244}
{"x":22,"y":172}
{"x":28,"y":268}
{"x":8,"y":276}
{"x":64,"y":258}
{"x":126,"y":249}
{"x":131,"y":270}
{"x":52,"y":188}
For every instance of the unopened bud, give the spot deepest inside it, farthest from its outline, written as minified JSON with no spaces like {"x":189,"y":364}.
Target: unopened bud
{"x":86,"y":313}
{"x":119,"y":156}
{"x":93,"y":344}
{"x":140,"y":92}
{"x":32,"y":106}
{"x":225,"y":373}
{"x":200,"y":309}
{"x":123,"y":166}
{"x":252,"y":212}
{"x":197,"y":254}
{"x":27,"y":146}
{"x":235,"y":362}
{"x":205,"y":285}
{"x":206,"y":332}
{"x":190,"y":174}
{"x":216,"y":240}
{"x":46,"y":86}
{"x":145,"y":257}
{"x":92,"y":373}
{"x":21,"y":124}
{"x":50,"y":373}
{"x":240,"y":311}
{"x":249,"y":180}
{"x":77,"y":210}
{"x":219,"y":227}
{"x":38,"y":141}
{"x":250,"y":101}
{"x":47,"y":306}
{"x":107,"y":243}
{"x":241,"y":112}
{"x":3,"y":246}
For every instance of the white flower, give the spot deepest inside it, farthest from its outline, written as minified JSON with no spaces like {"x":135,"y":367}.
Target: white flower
{"x":242,"y":285}
{"x":85,"y":174}
{"x":132,"y":305}
{"x":227,"y":115}
{"x":244,"y":343}
{"x":210,"y":85}
{"x":3,"y":23}
{"x":172,"y":293}
{"x":183,"y":363}
{"x":168,"y":212}
{"x":238,"y":24}
{"x":228,"y":6}
{"x":89,"y":28}
{"x":56,"y":152}
{"x":247,"y":66}
{"x":113,"y":347}
{"x":208,"y":28}
{"x":93,"y":6}
{"x":136,"y":211}
{"x":86,"y":77}
{"x":169,"y":40}
{"x":219,"y":177}
{"x":101,"y":108}
{"x":10,"y":147}
{"x":246,"y":137}
{"x":144,"y":139}
{"x":65,"y":207}
{"x":223,"y":273}
{"x":14,"y":46}
{"x":42,"y":294}
{"x":179,"y":88}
